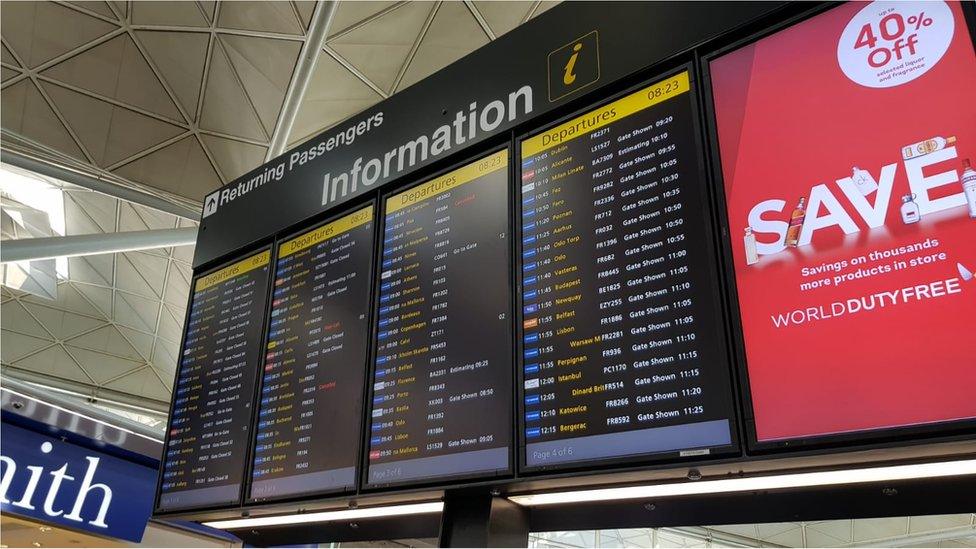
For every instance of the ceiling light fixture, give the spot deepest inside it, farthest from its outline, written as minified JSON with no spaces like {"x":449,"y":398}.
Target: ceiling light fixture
{"x":327,"y":516}
{"x":768,"y":482}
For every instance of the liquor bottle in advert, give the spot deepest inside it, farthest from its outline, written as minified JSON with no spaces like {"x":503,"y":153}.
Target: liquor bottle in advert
{"x":968,"y":181}
{"x":752,"y":255}
{"x":796,"y":223}
{"x":863,"y":181}
{"x":925,"y":147}
{"x":909,"y":209}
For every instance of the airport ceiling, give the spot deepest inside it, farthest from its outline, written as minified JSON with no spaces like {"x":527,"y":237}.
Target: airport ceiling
{"x":181,"y":97}
{"x":174,"y":99}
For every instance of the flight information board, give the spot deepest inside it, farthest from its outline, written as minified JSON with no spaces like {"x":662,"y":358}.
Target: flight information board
{"x":206,"y":447}
{"x":442,"y":383}
{"x":622,"y":349}
{"x":310,"y":410}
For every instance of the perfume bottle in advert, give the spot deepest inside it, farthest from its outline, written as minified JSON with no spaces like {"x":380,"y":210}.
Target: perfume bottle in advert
{"x":925,"y":147}
{"x":909,"y":209}
{"x":796,"y":223}
{"x":965,"y":273}
{"x":752,"y":255}
{"x":863,"y":181}
{"x":968,"y":181}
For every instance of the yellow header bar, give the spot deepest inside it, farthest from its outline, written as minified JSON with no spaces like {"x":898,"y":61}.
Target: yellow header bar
{"x":327,"y":231}
{"x":230,"y":271}
{"x":608,"y":114}
{"x":448,"y":181}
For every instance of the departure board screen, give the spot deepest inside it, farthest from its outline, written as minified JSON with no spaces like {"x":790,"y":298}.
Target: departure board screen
{"x":310,"y":410}
{"x":622,"y":351}
{"x":206,"y":447}
{"x":442,"y":386}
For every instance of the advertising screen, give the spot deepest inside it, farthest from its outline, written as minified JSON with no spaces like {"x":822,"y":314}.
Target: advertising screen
{"x":442,"y":384}
{"x":310,"y":410}
{"x":622,"y":352}
{"x":847,"y":144}
{"x":206,"y":447}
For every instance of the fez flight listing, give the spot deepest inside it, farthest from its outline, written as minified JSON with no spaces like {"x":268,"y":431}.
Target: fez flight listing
{"x":307,"y":437}
{"x":442,"y":380}
{"x":621,"y":347}
{"x":207,"y":447}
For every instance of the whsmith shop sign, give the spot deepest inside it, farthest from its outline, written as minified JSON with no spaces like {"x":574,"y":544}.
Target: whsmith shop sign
{"x":556,"y":58}
{"x":46,"y":479}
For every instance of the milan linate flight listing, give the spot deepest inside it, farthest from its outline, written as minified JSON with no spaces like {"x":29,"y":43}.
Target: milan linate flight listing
{"x":442,"y":387}
{"x":206,"y":451}
{"x":620,"y":334}
{"x":308,"y":430}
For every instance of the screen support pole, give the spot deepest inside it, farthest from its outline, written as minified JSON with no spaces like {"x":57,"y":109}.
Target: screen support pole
{"x":477,"y":518}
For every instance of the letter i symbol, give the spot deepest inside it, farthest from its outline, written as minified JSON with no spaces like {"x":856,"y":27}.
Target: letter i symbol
{"x":568,"y":76}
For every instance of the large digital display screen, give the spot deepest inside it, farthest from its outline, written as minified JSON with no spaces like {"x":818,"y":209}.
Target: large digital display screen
{"x":622,"y":352}
{"x":314,"y":376}
{"x":847,"y":143}
{"x":442,"y":380}
{"x":206,"y":446}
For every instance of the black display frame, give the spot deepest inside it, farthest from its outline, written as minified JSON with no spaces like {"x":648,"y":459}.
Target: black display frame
{"x":846,"y":441}
{"x":450,"y":481}
{"x":331,"y":216}
{"x":647,"y":77}
{"x":250,"y":251}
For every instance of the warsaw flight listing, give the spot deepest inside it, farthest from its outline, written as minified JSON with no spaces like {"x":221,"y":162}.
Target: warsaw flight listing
{"x":307,"y":435}
{"x":442,"y":387}
{"x":206,"y":451}
{"x":620,"y":326}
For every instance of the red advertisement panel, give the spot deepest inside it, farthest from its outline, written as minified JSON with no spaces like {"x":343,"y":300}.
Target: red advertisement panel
{"x":846,"y":142}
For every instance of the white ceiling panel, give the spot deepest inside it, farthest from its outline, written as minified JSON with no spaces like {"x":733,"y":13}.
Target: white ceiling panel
{"x":135,"y":275}
{"x":117,"y":69}
{"x":226,"y":106}
{"x":54,"y":361}
{"x":277,"y":17}
{"x":26,"y":112}
{"x":110,"y":133}
{"x":349,"y":14}
{"x":93,"y":269}
{"x":170,"y":324}
{"x":142,"y":382}
{"x":143,"y":345}
{"x":100,"y":8}
{"x":15,"y":318}
{"x":182,"y":168}
{"x":104,"y":340}
{"x":453,"y":34}
{"x":104,"y":367}
{"x":180,"y":58}
{"x":89,"y":212}
{"x":379,"y":49}
{"x":41,"y":31}
{"x":60,"y":323}
{"x":503,"y":16}
{"x":133,"y":217}
{"x":264,"y":66}
{"x":7,"y":58}
{"x":14,"y":346}
{"x":234,"y":158}
{"x":149,"y":12}
{"x":99,"y":296}
{"x":136,"y":311}
{"x":333,"y":94}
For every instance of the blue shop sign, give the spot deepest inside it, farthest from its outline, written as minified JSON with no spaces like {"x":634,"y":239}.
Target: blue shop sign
{"x":58,"y":482}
